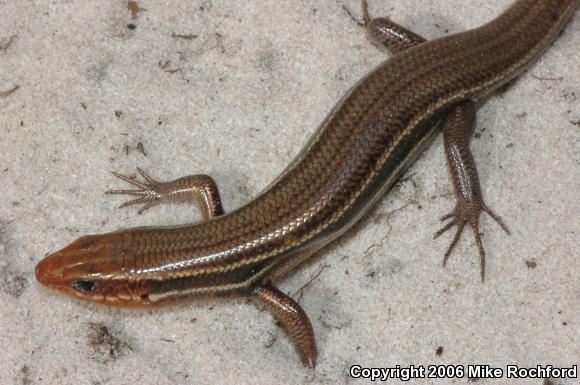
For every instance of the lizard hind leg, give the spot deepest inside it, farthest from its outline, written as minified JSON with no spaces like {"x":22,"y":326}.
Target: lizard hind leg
{"x":457,"y":128}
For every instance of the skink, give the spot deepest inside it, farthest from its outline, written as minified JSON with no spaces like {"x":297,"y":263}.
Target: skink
{"x":367,"y":141}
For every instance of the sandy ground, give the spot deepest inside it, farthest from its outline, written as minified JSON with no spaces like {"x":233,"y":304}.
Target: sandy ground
{"x":233,"y":89}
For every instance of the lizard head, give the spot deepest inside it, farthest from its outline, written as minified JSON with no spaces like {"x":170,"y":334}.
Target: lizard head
{"x":93,"y":268}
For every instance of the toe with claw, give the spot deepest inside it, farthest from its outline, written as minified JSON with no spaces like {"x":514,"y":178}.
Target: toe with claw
{"x":149,"y":193}
{"x":468,"y":213}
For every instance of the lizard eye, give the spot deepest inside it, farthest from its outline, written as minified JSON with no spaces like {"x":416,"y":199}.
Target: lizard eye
{"x":85,"y":287}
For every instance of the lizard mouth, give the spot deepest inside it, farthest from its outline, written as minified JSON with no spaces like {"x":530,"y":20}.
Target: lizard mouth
{"x":47,"y":273}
